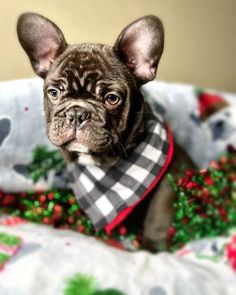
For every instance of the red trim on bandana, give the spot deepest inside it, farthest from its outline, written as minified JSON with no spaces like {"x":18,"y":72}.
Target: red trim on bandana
{"x":123,"y":214}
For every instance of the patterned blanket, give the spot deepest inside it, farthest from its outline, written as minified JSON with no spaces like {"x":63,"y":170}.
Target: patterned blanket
{"x":41,"y":260}
{"x":36,"y":259}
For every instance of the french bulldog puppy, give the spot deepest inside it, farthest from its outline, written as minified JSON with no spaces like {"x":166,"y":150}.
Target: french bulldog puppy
{"x":94,"y":108}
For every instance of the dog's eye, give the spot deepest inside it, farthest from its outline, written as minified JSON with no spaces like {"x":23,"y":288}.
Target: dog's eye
{"x":53,"y":93}
{"x":112,"y":99}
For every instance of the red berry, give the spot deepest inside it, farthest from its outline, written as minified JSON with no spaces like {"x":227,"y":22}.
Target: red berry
{"x":78,"y":213}
{"x":57,"y":208}
{"x":46,"y":220}
{"x":51,"y":196}
{"x":8,"y":199}
{"x":171,"y":231}
{"x":81,"y":229}
{"x":23,"y":195}
{"x":191,"y":185}
{"x":70,"y":220}
{"x":208,"y":180}
{"x":122,"y":230}
{"x":185,"y":220}
{"x":42,"y":198}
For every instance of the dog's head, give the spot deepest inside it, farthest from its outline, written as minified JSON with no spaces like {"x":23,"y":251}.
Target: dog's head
{"x":93,"y":104}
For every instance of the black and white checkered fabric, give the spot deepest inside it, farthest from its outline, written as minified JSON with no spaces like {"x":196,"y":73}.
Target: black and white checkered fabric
{"x":103,"y":193}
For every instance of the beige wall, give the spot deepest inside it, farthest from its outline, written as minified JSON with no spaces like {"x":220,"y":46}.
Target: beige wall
{"x":200,"y":35}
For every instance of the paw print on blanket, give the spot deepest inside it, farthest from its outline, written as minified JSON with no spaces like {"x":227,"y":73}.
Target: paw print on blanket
{"x":21,"y":169}
{"x":5,"y":127}
{"x":223,"y":124}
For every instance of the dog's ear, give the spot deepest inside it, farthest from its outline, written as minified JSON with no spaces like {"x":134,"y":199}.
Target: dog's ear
{"x":41,"y":39}
{"x":140,"y":46}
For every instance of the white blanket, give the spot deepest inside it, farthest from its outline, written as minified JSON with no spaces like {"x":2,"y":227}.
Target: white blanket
{"x":48,"y":257}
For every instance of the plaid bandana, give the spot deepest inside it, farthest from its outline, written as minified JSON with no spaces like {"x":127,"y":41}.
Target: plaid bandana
{"x":109,"y":194}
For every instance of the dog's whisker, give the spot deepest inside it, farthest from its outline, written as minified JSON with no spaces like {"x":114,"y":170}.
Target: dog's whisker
{"x":121,"y":148}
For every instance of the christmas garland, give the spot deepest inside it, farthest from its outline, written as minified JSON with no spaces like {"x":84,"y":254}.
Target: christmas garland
{"x":205,"y":204}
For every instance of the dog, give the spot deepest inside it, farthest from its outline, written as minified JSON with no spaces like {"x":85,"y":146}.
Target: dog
{"x":94,"y":109}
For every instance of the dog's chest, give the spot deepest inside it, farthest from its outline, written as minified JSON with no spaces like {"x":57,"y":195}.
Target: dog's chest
{"x":85,"y":159}
{"x":109,"y":194}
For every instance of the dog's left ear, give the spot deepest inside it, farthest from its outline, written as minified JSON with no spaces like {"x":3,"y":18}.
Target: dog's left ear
{"x":140,"y":46}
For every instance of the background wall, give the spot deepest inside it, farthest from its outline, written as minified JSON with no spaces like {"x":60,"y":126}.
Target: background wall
{"x":200,"y":35}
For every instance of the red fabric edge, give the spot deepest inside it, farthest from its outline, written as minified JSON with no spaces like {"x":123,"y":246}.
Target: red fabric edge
{"x":123,"y":214}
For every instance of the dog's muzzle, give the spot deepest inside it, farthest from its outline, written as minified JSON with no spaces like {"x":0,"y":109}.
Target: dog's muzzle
{"x":77,"y":117}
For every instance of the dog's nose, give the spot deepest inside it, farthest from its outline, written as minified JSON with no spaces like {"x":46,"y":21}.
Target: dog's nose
{"x":77,"y":116}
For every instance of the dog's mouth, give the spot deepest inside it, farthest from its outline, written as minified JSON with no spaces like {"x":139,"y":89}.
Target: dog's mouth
{"x":89,"y":139}
{"x":91,"y":146}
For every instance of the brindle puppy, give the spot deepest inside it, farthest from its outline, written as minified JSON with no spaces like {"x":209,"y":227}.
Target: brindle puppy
{"x":92,"y":98}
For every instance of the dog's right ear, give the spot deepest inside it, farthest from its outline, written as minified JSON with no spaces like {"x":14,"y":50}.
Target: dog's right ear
{"x":41,"y":39}
{"x":140,"y":46}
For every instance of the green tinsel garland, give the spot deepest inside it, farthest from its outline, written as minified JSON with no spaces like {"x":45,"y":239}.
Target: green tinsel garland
{"x":205,"y":204}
